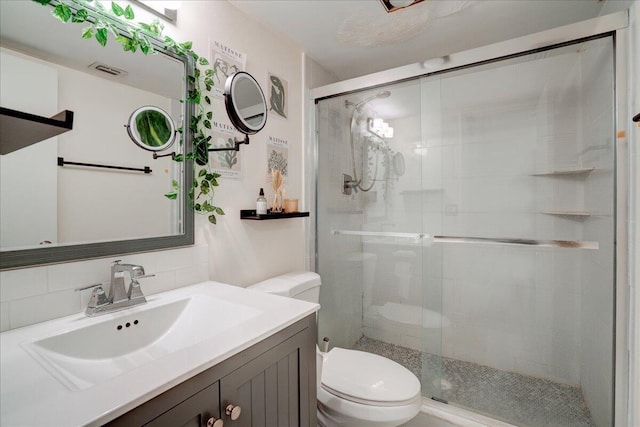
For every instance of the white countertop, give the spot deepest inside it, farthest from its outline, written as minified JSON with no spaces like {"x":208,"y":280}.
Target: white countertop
{"x":31,"y":396}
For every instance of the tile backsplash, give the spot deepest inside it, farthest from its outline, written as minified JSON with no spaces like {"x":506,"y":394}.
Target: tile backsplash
{"x":37,"y":294}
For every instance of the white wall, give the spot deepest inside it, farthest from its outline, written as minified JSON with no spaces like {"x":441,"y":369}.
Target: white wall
{"x":243,"y":252}
{"x":96,"y":204}
{"x":28,"y":204}
{"x":89,"y":204}
{"x":234,"y":251}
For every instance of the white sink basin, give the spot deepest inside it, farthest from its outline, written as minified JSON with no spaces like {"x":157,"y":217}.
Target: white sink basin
{"x":90,"y":355}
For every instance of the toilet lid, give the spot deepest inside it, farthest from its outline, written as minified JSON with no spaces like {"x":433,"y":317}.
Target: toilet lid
{"x":368,"y":378}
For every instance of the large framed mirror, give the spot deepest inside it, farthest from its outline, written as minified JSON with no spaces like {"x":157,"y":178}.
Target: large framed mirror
{"x":58,"y":202}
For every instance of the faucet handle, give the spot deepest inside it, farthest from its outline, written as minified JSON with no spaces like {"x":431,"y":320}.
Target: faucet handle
{"x":84,"y":288}
{"x":145,"y":276}
{"x":118,"y":261}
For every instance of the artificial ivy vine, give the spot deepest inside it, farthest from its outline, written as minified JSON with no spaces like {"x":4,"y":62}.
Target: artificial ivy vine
{"x":97,"y":26}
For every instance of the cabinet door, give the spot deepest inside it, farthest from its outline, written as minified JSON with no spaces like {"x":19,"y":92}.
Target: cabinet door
{"x":272,"y":389}
{"x":193,"y":412}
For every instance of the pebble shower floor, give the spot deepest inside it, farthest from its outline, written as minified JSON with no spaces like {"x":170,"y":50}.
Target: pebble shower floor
{"x":508,"y":396}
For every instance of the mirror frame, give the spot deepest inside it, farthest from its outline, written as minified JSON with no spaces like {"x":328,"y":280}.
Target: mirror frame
{"x":134,"y":134}
{"x":21,"y":258}
{"x":232,"y":110}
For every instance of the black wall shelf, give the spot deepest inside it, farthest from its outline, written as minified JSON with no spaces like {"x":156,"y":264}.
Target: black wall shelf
{"x":252,"y":215}
{"x":19,"y":129}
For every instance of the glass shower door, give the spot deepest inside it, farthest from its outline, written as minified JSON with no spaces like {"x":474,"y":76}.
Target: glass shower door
{"x":524,"y":232}
{"x":370,"y":219}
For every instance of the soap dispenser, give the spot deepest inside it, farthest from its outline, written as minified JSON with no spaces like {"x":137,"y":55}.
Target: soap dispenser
{"x":261,"y":204}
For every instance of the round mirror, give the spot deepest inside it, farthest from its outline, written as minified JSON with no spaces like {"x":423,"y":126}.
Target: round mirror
{"x":245,"y":102}
{"x":151,"y":128}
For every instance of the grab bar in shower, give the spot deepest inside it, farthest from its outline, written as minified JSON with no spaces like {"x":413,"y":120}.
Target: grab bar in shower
{"x":573,"y":244}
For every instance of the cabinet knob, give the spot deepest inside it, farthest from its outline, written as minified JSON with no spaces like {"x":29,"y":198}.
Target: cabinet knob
{"x":233,"y":412}
{"x":215,"y":422}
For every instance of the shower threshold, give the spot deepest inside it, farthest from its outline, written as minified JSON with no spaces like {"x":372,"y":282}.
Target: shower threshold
{"x":507,"y":396}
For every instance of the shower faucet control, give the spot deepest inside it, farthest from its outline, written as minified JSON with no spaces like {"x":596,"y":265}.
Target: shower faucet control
{"x":349,"y":185}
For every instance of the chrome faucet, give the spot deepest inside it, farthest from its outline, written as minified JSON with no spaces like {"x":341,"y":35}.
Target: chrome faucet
{"x":118,"y":298}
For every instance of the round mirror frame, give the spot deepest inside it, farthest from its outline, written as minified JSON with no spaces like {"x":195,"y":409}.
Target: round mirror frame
{"x":135,"y":137}
{"x":231,"y":104}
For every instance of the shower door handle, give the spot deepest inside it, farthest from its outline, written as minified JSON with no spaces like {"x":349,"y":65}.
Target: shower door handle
{"x":413,"y":236}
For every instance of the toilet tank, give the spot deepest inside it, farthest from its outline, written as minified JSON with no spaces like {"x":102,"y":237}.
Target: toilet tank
{"x":302,"y":285}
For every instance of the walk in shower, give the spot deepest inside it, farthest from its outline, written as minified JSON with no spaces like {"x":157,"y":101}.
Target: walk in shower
{"x":465,"y":229}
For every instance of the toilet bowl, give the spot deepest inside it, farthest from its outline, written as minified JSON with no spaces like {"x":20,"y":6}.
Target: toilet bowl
{"x":355,"y":388}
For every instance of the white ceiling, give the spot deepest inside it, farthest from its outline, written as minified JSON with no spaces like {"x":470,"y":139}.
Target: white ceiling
{"x":351,"y":38}
{"x":29,"y":28}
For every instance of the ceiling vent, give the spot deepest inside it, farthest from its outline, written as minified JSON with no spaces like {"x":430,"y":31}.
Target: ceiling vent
{"x":393,"y":5}
{"x":113,"y":71}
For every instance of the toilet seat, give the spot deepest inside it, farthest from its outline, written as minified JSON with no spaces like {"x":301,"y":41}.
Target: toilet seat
{"x":368,"y":379}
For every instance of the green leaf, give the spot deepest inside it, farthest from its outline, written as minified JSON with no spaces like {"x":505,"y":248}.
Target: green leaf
{"x":212,"y":219}
{"x":172,"y":196}
{"x":62,"y":12}
{"x":43,"y":2}
{"x":179,"y":158}
{"x":202,"y":172}
{"x":210,"y":115}
{"x":207,"y":100}
{"x":101,"y":36}
{"x":214,"y":182}
{"x":128,"y":12}
{"x":186,"y":45}
{"x":219,"y":211}
{"x":80,"y":16}
{"x":203,"y":61}
{"x":175,"y":184}
{"x":87,"y":32}
{"x":207,"y":124}
{"x":117,"y":9}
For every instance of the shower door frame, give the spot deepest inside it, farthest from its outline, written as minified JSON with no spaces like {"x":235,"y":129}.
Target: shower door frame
{"x":615,"y":24}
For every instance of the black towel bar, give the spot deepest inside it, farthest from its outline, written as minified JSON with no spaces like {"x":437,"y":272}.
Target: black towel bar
{"x":62,"y":162}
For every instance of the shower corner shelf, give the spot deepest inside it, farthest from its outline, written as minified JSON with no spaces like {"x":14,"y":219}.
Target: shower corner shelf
{"x":576,"y":172}
{"x":252,"y":215}
{"x":24,"y":129}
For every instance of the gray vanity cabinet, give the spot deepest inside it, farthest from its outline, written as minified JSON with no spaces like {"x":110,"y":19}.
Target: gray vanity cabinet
{"x":193,"y":412}
{"x":273,"y":382}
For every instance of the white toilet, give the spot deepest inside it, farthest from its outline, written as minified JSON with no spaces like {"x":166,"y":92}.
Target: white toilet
{"x":355,"y":388}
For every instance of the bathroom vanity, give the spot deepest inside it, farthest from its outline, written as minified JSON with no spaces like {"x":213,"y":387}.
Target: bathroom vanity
{"x":204,"y":355}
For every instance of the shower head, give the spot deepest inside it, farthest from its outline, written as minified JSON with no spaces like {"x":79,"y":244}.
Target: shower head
{"x":381,"y":94}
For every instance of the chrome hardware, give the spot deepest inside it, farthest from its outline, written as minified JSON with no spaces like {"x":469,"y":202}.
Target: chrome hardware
{"x":325,"y":344}
{"x":215,"y":422}
{"x":417,"y":237}
{"x":84,"y":288}
{"x":233,"y":412}
{"x":119,"y":298}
